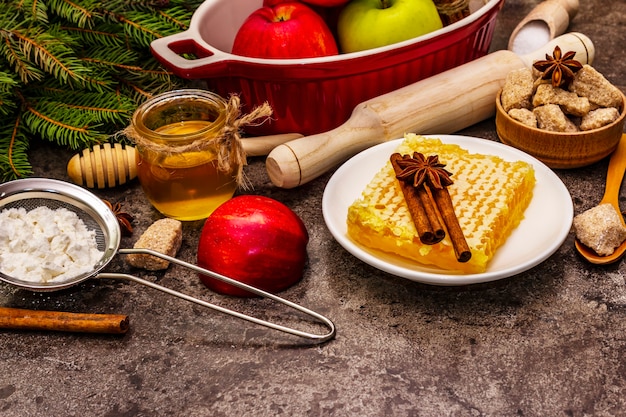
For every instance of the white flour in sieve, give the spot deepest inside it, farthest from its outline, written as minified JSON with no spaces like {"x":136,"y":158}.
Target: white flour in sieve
{"x":45,"y":245}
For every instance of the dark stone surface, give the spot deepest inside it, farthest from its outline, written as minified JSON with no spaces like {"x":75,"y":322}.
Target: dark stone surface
{"x":548,"y":342}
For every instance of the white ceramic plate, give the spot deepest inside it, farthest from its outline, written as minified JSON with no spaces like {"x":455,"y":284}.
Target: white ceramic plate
{"x":546,"y":224}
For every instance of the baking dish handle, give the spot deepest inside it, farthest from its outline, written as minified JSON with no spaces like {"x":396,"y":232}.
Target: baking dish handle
{"x":169,"y":50}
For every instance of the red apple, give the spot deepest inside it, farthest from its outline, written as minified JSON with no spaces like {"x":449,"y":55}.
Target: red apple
{"x":256,"y":240}
{"x":285,"y":30}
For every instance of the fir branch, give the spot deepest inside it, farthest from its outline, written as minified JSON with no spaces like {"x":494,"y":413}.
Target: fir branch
{"x":8,"y":82}
{"x":176,"y":15}
{"x":72,"y":72}
{"x":34,"y":9}
{"x":51,"y":51}
{"x":120,"y":6}
{"x":151,"y":75}
{"x":143,"y":27}
{"x":13,"y":152}
{"x":113,"y":59}
{"x":105,"y":37}
{"x":93,"y":108}
{"x":70,"y":132}
{"x":152,"y":79}
{"x":81,"y":15}
{"x":140,"y":90}
{"x":15,"y":58}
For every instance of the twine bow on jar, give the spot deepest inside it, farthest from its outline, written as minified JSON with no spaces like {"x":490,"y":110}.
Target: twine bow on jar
{"x":230,"y":150}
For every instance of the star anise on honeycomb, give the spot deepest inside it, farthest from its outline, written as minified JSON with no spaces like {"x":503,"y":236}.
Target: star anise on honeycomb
{"x":424,"y":170}
{"x":123,"y":218}
{"x":558,"y":68}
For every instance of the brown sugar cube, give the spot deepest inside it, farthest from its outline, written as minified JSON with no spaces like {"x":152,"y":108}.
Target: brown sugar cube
{"x":551,"y":117}
{"x":524,"y":116}
{"x":570,"y":102}
{"x":598,"y":118}
{"x":164,"y":236}
{"x":591,"y":84}
{"x":517,"y":90}
{"x":600,"y":229}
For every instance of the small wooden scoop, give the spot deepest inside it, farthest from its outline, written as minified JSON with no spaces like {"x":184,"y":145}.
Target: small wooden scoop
{"x":614,"y":177}
{"x":549,"y":18}
{"x":21,"y":319}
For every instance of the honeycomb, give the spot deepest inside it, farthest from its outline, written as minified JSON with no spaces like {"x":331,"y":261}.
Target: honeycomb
{"x":489,"y":196}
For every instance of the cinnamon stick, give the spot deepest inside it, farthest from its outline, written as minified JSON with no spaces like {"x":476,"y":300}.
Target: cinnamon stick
{"x":421,"y":207}
{"x":431,"y":213}
{"x":446,"y":209}
{"x":15,"y":318}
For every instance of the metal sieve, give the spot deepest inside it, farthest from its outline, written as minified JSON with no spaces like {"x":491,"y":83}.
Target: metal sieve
{"x":35,"y":192}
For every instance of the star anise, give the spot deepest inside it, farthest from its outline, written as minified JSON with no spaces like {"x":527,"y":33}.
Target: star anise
{"x":559,"y":69}
{"x":123,"y":218}
{"x":421,"y":170}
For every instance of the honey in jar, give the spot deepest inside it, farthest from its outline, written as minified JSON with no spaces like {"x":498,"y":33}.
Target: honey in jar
{"x":178,"y":136}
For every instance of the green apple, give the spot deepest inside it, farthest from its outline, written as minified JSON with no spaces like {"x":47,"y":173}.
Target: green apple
{"x":367,"y":24}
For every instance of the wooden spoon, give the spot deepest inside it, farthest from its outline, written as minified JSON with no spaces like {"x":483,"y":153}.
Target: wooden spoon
{"x":614,"y":177}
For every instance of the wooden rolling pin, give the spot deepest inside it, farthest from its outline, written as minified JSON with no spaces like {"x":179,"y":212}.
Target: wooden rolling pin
{"x":262,"y":145}
{"x":444,"y":103}
{"x":16,"y":318}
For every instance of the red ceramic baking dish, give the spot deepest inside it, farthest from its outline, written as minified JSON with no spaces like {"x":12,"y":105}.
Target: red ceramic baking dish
{"x":314,"y":95}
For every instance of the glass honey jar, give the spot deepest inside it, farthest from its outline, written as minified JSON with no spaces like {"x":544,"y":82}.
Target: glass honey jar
{"x":188,"y":163}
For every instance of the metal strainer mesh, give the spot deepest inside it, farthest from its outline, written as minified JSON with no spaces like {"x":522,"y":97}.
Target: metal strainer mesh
{"x":32,"y":193}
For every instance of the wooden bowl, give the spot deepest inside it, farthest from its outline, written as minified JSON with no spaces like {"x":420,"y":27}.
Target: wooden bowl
{"x":557,"y":149}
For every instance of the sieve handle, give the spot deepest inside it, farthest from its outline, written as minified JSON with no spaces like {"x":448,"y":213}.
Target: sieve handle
{"x":318,"y":338}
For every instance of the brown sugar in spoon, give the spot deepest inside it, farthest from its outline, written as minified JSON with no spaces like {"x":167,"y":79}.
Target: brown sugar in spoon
{"x":614,"y":177}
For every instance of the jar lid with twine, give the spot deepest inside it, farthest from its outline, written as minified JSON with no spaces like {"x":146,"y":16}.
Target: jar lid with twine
{"x":227,"y":143}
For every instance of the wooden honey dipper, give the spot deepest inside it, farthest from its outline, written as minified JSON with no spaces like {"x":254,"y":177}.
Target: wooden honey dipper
{"x":104,"y":165}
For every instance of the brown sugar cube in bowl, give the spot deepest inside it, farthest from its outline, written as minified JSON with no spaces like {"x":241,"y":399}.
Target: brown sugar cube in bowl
{"x":595,"y":119}
{"x":164,"y":236}
{"x":551,"y":117}
{"x":591,"y":84}
{"x":524,"y":116}
{"x":517,"y":92}
{"x":570,"y":102}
